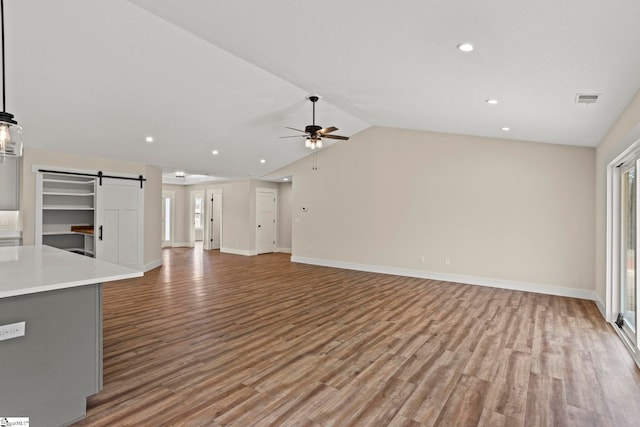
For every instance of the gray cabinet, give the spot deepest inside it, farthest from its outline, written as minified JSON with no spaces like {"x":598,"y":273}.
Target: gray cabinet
{"x":9,"y":183}
{"x":48,"y":373}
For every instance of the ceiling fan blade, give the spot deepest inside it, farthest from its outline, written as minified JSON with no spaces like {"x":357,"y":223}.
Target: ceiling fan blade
{"x":343,"y":138}
{"x":328,"y":130}
{"x":293,"y":136}
{"x":297,"y":130}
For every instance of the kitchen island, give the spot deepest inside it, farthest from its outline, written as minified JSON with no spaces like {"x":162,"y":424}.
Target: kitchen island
{"x":51,"y":332}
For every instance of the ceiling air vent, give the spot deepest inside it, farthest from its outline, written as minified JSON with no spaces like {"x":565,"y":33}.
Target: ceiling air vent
{"x":587,"y":98}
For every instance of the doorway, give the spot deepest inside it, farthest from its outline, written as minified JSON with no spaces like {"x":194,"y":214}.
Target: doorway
{"x":167,"y":209}
{"x":266,"y":225}
{"x":196,"y":228}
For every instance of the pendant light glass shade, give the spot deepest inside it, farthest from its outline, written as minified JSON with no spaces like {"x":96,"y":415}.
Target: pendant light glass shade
{"x":10,"y":131}
{"x":10,"y":136}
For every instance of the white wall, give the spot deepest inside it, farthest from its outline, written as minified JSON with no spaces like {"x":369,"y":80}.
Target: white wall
{"x":152,"y":217}
{"x":153,"y":185}
{"x":498,"y":210}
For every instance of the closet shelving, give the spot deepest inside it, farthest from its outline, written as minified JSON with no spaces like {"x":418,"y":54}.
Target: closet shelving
{"x":65,"y":201}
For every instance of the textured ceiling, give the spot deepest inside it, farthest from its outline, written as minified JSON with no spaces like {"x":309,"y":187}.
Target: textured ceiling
{"x":97,"y":77}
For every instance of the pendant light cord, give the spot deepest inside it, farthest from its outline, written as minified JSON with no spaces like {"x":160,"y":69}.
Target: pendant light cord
{"x":2,"y":19}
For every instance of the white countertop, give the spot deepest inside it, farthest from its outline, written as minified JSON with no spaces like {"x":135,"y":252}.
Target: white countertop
{"x":31,"y":269}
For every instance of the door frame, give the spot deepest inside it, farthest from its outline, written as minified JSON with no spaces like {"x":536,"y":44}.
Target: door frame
{"x":614,"y":255}
{"x":274,"y":193}
{"x":209,"y":192}
{"x":192,"y":205}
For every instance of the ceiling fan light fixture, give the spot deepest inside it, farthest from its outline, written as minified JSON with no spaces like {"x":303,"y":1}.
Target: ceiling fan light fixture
{"x":313,"y":133}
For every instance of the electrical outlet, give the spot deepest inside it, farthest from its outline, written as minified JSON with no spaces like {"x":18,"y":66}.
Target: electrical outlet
{"x":4,"y":221}
{"x":13,"y":330}
{"x":447,"y":261}
{"x":422,"y":259}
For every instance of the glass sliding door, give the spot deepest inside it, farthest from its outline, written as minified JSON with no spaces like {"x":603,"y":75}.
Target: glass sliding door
{"x":628,"y":270}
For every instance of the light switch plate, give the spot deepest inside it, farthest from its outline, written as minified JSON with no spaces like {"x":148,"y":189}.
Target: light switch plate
{"x":13,"y":330}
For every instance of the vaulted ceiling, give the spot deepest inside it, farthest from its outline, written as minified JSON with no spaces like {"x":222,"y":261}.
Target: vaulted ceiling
{"x":98,"y":77}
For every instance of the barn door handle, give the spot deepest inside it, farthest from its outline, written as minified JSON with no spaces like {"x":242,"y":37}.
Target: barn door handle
{"x":100,"y":233}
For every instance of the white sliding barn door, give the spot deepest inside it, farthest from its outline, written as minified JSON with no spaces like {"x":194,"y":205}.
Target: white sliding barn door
{"x":120,"y":216}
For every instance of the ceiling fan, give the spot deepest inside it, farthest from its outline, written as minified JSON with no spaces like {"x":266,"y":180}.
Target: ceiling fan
{"x":315,"y":133}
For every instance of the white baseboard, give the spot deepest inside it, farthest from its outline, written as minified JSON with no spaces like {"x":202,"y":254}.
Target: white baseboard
{"x":181,"y":245}
{"x":238,"y":251}
{"x":469,"y":280}
{"x":284,"y":250}
{"x":600,"y":305}
{"x":153,"y":264}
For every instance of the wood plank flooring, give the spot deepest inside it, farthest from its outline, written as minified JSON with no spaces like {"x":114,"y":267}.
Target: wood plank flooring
{"x":215,"y":339}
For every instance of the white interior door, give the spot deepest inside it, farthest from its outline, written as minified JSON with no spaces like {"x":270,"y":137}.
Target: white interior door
{"x":213,"y":224}
{"x":266,"y":220}
{"x":120,"y":213}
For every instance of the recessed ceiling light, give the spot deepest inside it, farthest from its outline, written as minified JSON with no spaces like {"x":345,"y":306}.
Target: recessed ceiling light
{"x":263,"y":161}
{"x":285,"y":179}
{"x":214,"y":152}
{"x":465,"y":47}
{"x":492,"y":101}
{"x":506,"y":129}
{"x":149,"y":139}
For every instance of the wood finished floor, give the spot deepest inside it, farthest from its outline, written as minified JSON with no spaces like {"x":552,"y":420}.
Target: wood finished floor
{"x":214,"y":339}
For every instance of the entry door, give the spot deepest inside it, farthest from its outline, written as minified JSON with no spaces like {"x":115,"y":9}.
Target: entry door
{"x":266,"y":221}
{"x":120,"y":222}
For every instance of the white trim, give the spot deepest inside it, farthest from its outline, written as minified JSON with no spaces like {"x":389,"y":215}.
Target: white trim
{"x":600,"y":305}
{"x":632,"y":351}
{"x":469,"y":280}
{"x":153,"y":264}
{"x":238,"y":251}
{"x":284,"y":250}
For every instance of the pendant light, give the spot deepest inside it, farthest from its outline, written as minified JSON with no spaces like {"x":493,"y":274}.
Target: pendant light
{"x":10,"y":131}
